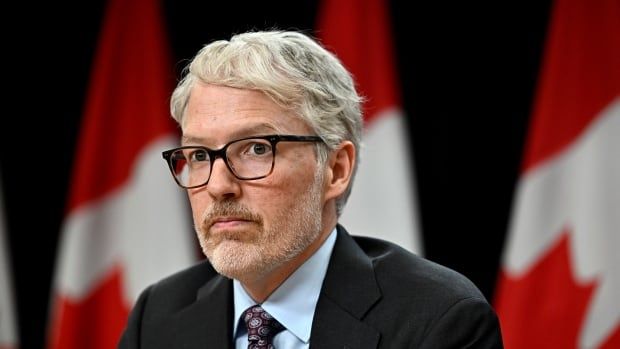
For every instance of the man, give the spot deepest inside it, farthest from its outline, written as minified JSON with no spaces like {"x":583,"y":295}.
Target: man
{"x":271,"y":128}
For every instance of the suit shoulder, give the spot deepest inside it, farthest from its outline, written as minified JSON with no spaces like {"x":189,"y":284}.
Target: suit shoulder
{"x":198,"y":274}
{"x":402,"y":271}
{"x":180,"y":288}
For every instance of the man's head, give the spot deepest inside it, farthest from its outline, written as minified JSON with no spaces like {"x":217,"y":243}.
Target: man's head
{"x":268,"y":83}
{"x":294,"y":71}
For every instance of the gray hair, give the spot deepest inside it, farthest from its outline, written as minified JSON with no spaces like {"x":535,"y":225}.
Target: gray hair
{"x":293,"y":70}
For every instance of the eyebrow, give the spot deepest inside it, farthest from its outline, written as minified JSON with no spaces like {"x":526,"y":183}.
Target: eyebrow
{"x":253,"y":130}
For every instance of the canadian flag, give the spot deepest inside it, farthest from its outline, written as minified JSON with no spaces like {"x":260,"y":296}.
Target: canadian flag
{"x":8,"y":328}
{"x":382,"y":203}
{"x":127,"y":223}
{"x":560,"y":281}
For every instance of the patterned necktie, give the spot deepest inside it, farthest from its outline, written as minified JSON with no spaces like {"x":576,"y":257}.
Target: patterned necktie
{"x":261,"y":326}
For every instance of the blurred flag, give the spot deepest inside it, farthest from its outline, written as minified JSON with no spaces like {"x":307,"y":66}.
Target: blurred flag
{"x":8,"y":331}
{"x":560,"y":281}
{"x":127,"y":223}
{"x":383,"y":202}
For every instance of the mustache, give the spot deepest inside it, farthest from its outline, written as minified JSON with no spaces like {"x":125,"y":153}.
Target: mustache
{"x":229,"y":209}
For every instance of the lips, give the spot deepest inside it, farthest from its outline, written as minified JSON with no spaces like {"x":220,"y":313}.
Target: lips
{"x":227,"y":222}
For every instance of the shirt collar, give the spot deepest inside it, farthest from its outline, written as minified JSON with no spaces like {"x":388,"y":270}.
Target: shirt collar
{"x":294,"y":301}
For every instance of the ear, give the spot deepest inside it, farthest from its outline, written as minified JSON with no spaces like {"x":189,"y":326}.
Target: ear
{"x":340,"y":166}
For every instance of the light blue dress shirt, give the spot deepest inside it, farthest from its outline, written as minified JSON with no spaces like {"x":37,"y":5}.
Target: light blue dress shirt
{"x":292,"y":304}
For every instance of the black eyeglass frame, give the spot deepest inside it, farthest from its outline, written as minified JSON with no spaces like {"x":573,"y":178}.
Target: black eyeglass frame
{"x":214,"y":154}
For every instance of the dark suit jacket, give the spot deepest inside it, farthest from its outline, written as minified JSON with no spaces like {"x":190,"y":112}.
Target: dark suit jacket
{"x":375,"y":295}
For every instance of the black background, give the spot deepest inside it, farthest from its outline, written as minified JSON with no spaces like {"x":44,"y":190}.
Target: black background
{"x":468,"y":74}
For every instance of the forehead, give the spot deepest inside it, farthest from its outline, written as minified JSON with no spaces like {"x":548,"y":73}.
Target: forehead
{"x":217,"y":114}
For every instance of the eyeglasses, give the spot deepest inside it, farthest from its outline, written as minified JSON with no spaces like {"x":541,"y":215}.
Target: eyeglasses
{"x":246,"y":158}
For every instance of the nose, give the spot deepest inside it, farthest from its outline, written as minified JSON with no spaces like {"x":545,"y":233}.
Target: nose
{"x":222,"y":183}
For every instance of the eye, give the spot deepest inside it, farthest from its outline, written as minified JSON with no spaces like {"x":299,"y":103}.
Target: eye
{"x":198,"y":156}
{"x":259,"y":148}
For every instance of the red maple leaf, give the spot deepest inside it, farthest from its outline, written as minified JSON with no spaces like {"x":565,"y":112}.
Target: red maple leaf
{"x":545,"y":307}
{"x":95,"y":322}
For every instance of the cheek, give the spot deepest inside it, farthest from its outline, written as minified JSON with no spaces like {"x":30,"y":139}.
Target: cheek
{"x":290,"y":189}
{"x":269,"y":198}
{"x":199,"y":203}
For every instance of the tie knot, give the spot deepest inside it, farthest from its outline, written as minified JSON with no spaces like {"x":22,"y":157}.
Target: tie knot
{"x":262,"y":327}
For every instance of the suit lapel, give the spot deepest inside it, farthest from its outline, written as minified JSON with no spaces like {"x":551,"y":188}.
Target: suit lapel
{"x":207,"y":323}
{"x":349,"y":290}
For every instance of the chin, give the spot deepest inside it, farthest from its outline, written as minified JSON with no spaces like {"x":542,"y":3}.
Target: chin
{"x":237,"y":260}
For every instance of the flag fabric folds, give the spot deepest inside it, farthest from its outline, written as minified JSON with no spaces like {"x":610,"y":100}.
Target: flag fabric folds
{"x":127,"y":224}
{"x":8,"y":324}
{"x":382,"y":203}
{"x":560,"y":276}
